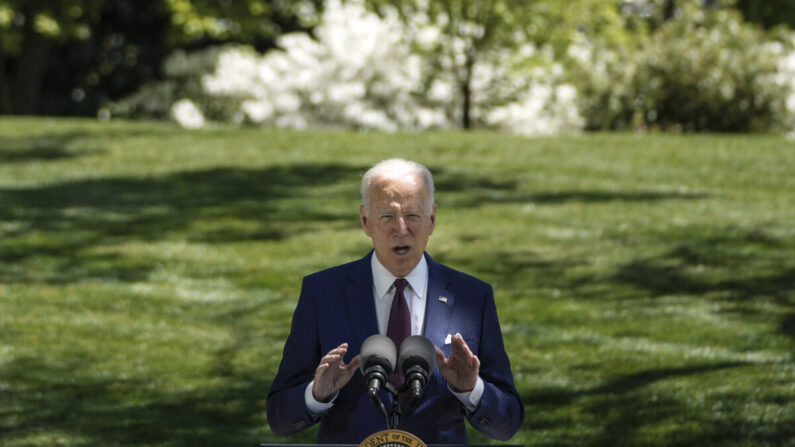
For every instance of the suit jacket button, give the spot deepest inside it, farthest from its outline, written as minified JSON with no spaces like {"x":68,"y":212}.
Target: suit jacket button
{"x":483,"y":420}
{"x":299,"y":423}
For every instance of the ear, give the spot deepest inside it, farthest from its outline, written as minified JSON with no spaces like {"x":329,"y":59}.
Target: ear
{"x":433,"y":218}
{"x":363,"y":220}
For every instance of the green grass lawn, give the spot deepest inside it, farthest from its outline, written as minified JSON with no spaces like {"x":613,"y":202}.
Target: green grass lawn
{"x":148,"y":274}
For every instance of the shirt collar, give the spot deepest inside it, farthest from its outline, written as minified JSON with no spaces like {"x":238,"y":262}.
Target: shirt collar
{"x":383,"y":278}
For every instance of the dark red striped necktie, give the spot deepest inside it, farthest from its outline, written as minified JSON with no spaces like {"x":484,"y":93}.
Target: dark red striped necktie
{"x":399,"y":326}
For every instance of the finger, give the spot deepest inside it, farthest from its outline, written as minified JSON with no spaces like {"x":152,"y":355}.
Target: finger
{"x":330,"y":359}
{"x":459,"y":342}
{"x":336,"y":354}
{"x":339,"y":350}
{"x":460,"y":348}
{"x":440,"y":359}
{"x":354,"y":364}
{"x":348,"y":371}
{"x":320,"y":371}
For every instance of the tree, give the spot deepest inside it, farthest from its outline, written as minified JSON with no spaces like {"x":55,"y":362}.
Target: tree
{"x":28,"y":28}
{"x":469,"y":29}
{"x":503,"y":33}
{"x":769,"y":13}
{"x":86,"y":31}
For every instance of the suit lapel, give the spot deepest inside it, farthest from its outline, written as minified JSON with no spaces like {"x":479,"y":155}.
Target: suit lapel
{"x":359,"y":299}
{"x":440,"y":302}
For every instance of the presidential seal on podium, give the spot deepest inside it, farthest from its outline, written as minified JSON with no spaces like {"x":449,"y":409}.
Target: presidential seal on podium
{"x":392,"y":438}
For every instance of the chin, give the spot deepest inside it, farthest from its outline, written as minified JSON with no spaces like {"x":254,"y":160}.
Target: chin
{"x":404,"y":266}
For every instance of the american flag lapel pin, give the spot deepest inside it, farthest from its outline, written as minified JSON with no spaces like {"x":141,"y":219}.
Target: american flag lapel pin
{"x":443,"y":299}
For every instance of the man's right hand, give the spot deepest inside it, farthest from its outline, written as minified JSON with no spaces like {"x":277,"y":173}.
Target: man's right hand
{"x":333,"y":374}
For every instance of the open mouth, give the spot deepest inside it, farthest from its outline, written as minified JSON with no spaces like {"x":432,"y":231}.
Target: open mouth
{"x":401,"y":250}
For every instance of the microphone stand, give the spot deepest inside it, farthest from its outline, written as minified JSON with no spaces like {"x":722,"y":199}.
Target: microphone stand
{"x":395,"y":417}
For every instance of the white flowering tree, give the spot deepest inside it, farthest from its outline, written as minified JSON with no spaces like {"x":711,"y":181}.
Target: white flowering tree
{"x":358,"y":71}
{"x":785,"y":51}
{"x":363,"y":70}
{"x":491,"y":53}
{"x":466,"y":43}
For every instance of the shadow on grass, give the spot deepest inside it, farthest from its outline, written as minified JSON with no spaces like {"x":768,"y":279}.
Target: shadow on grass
{"x":516,"y":269}
{"x":463,"y":190}
{"x":626,"y":416}
{"x":480,"y":197}
{"x":61,"y":224}
{"x":629,"y":383}
{"x":744,"y":267}
{"x":749,"y":272}
{"x":74,"y":397}
{"x":41,"y":148}
{"x":611,"y":196}
{"x":70,"y":400}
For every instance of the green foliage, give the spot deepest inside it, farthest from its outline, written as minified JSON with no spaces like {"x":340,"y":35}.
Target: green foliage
{"x":59,"y":21}
{"x":769,"y":13}
{"x":106,"y":49}
{"x":148,"y":274}
{"x":559,"y":24}
{"x":250,"y":21}
{"x":703,"y":70}
{"x":241,"y":21}
{"x":491,"y":24}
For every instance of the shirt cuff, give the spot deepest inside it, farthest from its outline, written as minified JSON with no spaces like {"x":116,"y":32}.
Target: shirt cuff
{"x":470,"y":399}
{"x":313,"y":406}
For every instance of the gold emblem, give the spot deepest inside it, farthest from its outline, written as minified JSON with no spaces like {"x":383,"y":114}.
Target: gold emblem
{"x":392,"y":438}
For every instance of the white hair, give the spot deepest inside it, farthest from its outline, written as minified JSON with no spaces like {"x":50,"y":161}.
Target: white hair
{"x":397,"y":168}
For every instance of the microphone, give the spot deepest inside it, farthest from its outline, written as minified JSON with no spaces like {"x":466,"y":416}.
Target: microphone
{"x":377,"y":359}
{"x":417,"y":357}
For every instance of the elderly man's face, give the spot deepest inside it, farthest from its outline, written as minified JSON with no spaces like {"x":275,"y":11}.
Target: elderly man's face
{"x":399,"y":223}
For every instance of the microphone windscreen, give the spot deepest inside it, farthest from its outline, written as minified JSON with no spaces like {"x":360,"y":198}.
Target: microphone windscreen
{"x":378,"y":349}
{"x":417,"y":351}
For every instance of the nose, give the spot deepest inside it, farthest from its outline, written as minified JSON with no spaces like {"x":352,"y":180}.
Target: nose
{"x":402,"y":227}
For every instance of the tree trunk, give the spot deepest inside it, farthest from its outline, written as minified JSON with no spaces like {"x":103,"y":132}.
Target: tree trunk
{"x":466,"y":92}
{"x":26,"y":93}
{"x":5,"y":100}
{"x":669,"y":10}
{"x":466,"y":122}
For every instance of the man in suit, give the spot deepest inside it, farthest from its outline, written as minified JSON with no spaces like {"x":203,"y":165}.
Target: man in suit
{"x":395,"y":290}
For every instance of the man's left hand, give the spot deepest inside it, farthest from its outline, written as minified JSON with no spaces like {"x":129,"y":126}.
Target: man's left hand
{"x":461,"y":368}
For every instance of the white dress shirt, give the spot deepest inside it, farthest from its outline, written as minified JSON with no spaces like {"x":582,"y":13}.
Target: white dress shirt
{"x":415,"y":294}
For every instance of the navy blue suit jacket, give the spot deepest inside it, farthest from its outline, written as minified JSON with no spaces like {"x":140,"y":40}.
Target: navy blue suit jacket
{"x":336,"y":306}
